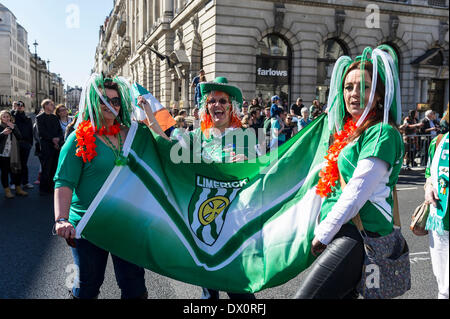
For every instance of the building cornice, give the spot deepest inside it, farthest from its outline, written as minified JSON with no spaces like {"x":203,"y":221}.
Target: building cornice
{"x":186,"y":13}
{"x":405,"y":9}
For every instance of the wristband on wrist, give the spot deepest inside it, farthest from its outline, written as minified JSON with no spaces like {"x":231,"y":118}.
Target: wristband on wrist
{"x":57,"y":221}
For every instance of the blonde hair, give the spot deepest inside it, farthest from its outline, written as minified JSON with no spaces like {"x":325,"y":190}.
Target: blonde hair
{"x":5,"y":112}
{"x":179,"y":120}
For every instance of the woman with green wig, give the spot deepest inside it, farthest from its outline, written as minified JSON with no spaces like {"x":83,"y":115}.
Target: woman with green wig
{"x":106,"y":116}
{"x":365,"y":155}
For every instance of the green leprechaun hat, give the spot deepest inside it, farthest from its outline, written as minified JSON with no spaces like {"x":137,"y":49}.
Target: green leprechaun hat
{"x":221,"y":84}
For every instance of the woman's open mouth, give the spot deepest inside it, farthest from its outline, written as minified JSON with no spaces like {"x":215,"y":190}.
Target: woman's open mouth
{"x":218,"y":114}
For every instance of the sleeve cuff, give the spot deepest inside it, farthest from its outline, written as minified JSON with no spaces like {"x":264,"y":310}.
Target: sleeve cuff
{"x":63,"y":183}
{"x":325,"y":233}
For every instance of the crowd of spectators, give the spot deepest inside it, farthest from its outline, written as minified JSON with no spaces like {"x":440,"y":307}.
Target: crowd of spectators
{"x":17,"y":136}
{"x":275,"y":118}
{"x":417,"y":135}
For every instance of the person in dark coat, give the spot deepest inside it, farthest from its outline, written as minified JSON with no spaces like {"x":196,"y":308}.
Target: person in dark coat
{"x":50,"y":139}
{"x":25,"y":126}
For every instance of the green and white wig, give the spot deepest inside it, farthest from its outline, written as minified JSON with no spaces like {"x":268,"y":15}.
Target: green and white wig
{"x":385,"y":65}
{"x":94,"y":90}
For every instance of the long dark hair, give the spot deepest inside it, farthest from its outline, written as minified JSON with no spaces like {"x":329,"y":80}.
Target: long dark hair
{"x":379,"y":107}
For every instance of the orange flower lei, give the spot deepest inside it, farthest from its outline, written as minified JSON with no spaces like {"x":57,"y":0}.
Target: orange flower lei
{"x":86,"y":139}
{"x":330,"y":173}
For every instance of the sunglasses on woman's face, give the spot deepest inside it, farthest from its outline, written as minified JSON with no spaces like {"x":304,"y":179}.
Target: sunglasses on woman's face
{"x":115,"y":101}
{"x":221,"y":101}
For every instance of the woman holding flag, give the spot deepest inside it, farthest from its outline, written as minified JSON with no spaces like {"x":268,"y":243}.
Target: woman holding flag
{"x":219,"y":107}
{"x":219,"y":121}
{"x":87,"y":158}
{"x":365,"y":157}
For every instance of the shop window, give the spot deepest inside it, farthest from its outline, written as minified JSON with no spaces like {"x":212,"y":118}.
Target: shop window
{"x":273,"y":69}
{"x":329,"y":52}
{"x":436,"y":94}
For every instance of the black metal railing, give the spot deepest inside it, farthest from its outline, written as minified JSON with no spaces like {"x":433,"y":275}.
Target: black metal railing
{"x":416,"y":149}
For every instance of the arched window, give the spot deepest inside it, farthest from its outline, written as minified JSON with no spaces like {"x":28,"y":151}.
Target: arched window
{"x":329,"y":52}
{"x":273,"y":68}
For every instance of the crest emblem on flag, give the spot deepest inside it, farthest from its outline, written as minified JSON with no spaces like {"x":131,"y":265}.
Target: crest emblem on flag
{"x":209,"y":206}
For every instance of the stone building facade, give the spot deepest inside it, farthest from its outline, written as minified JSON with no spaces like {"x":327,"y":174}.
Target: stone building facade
{"x":14,"y":61}
{"x":44,"y":84}
{"x":269,"y":47}
{"x":73,"y":95}
{"x":23,"y":76}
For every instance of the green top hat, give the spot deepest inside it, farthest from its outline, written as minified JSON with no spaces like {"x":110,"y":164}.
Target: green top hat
{"x":221,"y":84}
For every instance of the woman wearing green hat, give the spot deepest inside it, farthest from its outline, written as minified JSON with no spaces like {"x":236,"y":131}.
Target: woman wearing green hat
{"x":106,"y":115}
{"x":219,"y":107}
{"x":365,"y":157}
{"x":220,"y":122}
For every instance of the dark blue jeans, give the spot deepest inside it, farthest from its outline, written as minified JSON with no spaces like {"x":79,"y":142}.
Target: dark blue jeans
{"x":91,"y":261}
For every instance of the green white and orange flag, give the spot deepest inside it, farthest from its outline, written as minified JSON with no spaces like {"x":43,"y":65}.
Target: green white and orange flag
{"x":162,"y":115}
{"x":236,"y":227}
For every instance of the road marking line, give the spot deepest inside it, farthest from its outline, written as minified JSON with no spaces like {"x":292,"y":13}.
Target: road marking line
{"x":406,"y":189}
{"x":416,"y":259}
{"x":421,"y":253}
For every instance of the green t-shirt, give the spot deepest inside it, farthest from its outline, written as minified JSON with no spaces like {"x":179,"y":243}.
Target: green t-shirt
{"x":84,"y":179}
{"x":384,"y":142}
{"x":275,"y":124}
{"x":222,"y":147}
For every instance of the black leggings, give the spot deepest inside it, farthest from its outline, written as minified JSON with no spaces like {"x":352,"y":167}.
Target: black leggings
{"x":5,"y":169}
{"x":337,"y":271}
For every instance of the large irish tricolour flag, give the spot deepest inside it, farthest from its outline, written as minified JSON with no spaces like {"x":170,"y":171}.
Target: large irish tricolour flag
{"x":237,"y":227}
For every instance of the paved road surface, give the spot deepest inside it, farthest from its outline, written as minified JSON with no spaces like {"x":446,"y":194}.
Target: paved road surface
{"x":35,"y":264}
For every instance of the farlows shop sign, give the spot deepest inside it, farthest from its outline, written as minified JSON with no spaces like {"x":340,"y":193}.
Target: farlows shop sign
{"x":272,"y":70}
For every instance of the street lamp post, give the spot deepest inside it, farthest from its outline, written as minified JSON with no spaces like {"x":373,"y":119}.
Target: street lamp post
{"x":36,"y":64}
{"x":49,"y":76}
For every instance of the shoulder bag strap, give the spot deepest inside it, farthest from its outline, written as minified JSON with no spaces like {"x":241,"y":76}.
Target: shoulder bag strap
{"x":357,"y":219}
{"x":395,"y":208}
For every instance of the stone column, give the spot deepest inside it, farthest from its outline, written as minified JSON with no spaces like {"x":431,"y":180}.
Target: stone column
{"x":150,"y":19}
{"x":139,"y":20}
{"x":156,"y":76}
{"x":165,"y":46}
{"x":168,"y":8}
{"x":156,"y":10}
{"x":149,"y":79}
{"x":424,"y":96}
{"x":142,"y":15}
